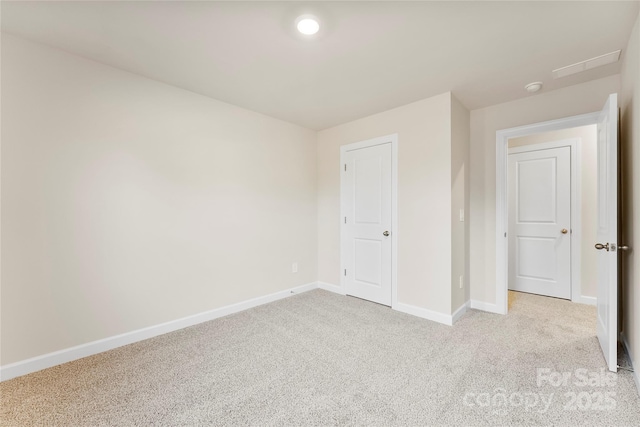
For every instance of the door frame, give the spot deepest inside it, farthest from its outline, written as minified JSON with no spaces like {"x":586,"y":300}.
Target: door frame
{"x":502,"y":216}
{"x":344,"y":149}
{"x":575,"y":214}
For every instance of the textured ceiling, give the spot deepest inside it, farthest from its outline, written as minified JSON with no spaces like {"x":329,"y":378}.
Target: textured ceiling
{"x":369,"y":56}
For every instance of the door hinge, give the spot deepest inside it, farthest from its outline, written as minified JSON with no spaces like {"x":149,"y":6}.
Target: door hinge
{"x":345,"y":271}
{"x":345,"y":219}
{"x":505,"y":234}
{"x":345,"y":167}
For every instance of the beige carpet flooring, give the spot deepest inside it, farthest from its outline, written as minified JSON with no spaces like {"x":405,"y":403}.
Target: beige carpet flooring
{"x":323,"y":359}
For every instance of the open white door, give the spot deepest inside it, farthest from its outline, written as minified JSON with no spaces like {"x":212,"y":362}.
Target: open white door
{"x":608,"y":232}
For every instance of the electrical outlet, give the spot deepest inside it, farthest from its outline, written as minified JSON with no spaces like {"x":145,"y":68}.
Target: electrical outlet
{"x":294,"y":267}
{"x":461,"y":281}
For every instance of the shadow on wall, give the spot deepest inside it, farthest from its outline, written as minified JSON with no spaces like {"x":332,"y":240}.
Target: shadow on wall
{"x":625,"y":208}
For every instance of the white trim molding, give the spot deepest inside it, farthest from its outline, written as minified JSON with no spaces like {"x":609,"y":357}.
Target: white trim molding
{"x":435,"y":316}
{"x":44,"y":361}
{"x":581,"y":299}
{"x":331,"y":287}
{"x":635,"y":373}
{"x":485,"y":306}
{"x":460,"y":312}
{"x":502,"y":139}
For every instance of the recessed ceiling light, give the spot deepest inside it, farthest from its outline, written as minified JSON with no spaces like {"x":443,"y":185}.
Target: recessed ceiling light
{"x":307,"y":24}
{"x":533,"y":87}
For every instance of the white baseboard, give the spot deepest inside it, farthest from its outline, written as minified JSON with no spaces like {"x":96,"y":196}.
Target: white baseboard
{"x":635,"y":373}
{"x":585,"y":300}
{"x":331,"y":288}
{"x":485,"y":306}
{"x":460,"y":311}
{"x":38,"y":363}
{"x":408,"y":309}
{"x":424,"y":313}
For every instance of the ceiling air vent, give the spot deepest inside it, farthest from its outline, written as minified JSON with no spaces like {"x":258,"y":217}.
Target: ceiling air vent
{"x":598,"y":61}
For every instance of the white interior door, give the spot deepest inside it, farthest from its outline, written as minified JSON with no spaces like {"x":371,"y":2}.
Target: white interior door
{"x":540,"y":221}
{"x":608,"y":232}
{"x":367,"y":209}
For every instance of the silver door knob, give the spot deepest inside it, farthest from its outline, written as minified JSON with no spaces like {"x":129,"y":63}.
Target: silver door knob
{"x":564,"y":231}
{"x":600,"y":246}
{"x":385,"y":234}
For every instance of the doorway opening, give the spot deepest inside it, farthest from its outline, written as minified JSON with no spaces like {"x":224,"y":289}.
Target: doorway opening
{"x":552,"y":187}
{"x":607,"y":124}
{"x":538,"y":132}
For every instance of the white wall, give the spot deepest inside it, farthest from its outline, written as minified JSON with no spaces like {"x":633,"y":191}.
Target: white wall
{"x":127,"y":203}
{"x":587,"y":136}
{"x":630,"y":136}
{"x":570,"y":101}
{"x":424,"y":198}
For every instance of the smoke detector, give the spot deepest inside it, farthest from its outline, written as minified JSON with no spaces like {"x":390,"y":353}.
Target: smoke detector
{"x":533,"y":87}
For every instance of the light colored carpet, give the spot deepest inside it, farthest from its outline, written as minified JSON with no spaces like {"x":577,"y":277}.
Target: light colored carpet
{"x":324,"y":359}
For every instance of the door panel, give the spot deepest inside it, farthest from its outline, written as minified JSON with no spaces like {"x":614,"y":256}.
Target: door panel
{"x":538,"y":257}
{"x":607,"y":235}
{"x":535,"y":206}
{"x":367,"y":174}
{"x":366,"y":206}
{"x":368,"y":261}
{"x":539,"y":209}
